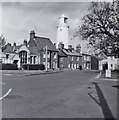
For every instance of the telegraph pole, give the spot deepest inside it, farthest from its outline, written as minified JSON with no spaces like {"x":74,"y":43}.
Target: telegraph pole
{"x":46,"y":59}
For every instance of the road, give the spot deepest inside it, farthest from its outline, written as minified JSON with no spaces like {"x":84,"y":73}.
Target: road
{"x":58,"y":95}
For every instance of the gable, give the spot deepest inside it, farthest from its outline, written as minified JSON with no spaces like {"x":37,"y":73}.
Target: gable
{"x":23,"y":48}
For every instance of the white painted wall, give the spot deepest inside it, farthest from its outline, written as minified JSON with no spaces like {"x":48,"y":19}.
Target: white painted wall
{"x":112,"y":63}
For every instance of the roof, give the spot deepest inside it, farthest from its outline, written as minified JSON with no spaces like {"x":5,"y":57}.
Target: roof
{"x":39,"y":43}
{"x":61,"y":53}
{"x":33,"y":47}
{"x":17,"y":47}
{"x":42,"y":42}
{"x":8,"y":48}
{"x":71,"y":53}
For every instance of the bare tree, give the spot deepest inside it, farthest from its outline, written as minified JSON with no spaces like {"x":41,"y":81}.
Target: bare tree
{"x":2,"y":40}
{"x":101,"y":27}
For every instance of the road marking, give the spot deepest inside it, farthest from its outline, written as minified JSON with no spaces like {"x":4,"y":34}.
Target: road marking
{"x":2,"y":83}
{"x":98,"y":76}
{"x":8,"y":74}
{"x":8,"y":92}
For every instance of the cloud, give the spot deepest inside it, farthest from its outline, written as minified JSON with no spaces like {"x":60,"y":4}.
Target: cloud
{"x":19,"y":18}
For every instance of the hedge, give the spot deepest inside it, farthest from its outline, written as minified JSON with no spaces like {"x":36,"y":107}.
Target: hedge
{"x":8,"y":66}
{"x":33,"y":66}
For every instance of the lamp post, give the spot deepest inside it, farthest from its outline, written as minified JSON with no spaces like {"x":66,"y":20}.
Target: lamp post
{"x":46,"y":59}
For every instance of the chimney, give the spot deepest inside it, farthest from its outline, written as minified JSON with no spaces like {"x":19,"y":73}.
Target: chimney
{"x":60,"y":45}
{"x":25,"y":42}
{"x":14,"y":44}
{"x":32,"y":34}
{"x":78,"y":49}
{"x":70,"y":47}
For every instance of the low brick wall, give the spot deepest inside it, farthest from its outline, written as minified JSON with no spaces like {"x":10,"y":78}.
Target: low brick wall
{"x":8,"y":66}
{"x":33,"y":67}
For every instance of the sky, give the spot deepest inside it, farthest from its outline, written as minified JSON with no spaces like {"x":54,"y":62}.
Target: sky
{"x":19,"y":18}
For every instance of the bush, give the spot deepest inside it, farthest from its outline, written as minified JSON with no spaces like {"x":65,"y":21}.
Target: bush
{"x":8,"y":66}
{"x":34,"y":67}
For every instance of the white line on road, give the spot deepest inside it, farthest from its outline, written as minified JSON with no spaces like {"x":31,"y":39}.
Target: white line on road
{"x":2,"y":83}
{"x":8,"y":92}
{"x":98,"y":76}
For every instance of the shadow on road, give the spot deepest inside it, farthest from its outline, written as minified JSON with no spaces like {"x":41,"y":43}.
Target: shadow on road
{"x":116,"y":86}
{"x":103,"y":104}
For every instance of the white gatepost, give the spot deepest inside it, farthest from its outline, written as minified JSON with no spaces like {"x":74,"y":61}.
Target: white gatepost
{"x":108,"y":71}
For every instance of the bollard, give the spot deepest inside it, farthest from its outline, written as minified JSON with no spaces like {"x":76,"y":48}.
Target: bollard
{"x":108,"y":73}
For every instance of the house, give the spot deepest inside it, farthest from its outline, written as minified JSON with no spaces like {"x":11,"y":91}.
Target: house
{"x":86,"y":61}
{"x":69,"y":58}
{"x":94,"y":63}
{"x":38,"y":54}
{"x":32,"y":52}
{"x":111,"y":62}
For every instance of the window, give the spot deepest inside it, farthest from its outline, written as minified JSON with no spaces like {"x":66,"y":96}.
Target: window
{"x":34,"y":59}
{"x":55,"y":55}
{"x":88,"y":58}
{"x":48,"y":64}
{"x":72,"y":58}
{"x":84,"y":57}
{"x":7,"y":56}
{"x":61,"y":59}
{"x":23,"y":57}
{"x":77,"y":58}
{"x":30,"y":59}
{"x":43,"y":55}
{"x":48,"y":54}
{"x":43,"y":63}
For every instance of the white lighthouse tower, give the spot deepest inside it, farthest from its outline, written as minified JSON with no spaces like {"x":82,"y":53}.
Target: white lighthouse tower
{"x":63,"y":32}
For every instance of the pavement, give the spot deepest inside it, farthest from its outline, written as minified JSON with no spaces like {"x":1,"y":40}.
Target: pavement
{"x":108,"y":87}
{"x":68,"y":94}
{"x":114,"y":76}
{"x":28,"y":72}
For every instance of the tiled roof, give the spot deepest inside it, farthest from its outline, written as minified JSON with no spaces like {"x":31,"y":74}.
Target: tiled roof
{"x":71,"y":53}
{"x":61,"y":53}
{"x":33,"y":47}
{"x":42,"y":42}
{"x":39,"y":43}
{"x":8,"y":48}
{"x":17,"y":47}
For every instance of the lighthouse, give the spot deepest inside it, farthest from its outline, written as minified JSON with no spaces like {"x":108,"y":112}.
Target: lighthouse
{"x":63,"y":32}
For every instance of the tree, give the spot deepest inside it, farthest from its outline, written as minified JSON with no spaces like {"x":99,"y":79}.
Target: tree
{"x":2,"y":40}
{"x":101,"y":27}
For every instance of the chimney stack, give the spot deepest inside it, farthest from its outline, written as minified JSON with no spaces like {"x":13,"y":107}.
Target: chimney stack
{"x":70,"y":48}
{"x":60,"y":45}
{"x":25,"y":42}
{"x":14,"y":44}
{"x":32,"y":34}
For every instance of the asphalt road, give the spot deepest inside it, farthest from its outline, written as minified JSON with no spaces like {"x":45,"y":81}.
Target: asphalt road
{"x":58,"y":95}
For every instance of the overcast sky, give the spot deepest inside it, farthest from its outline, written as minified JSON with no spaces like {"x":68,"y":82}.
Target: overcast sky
{"x":19,"y":18}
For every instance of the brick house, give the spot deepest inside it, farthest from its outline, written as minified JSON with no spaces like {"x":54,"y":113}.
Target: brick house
{"x":94,"y":63}
{"x":69,"y":58}
{"x":86,"y":61}
{"x":38,"y":55}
